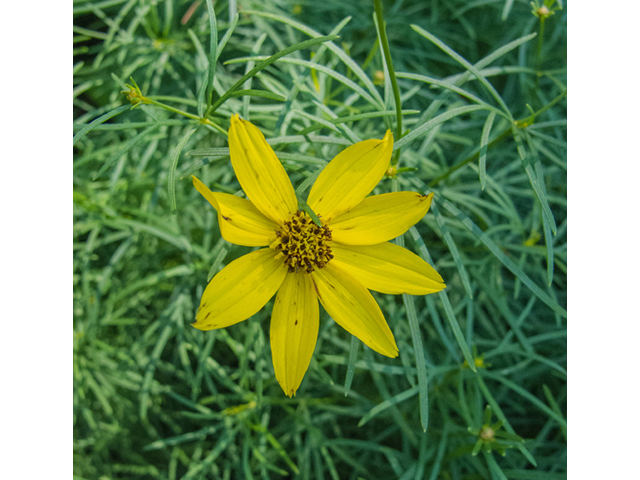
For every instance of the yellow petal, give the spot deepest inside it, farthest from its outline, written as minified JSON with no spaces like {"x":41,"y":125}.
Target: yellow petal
{"x":350,"y":177}
{"x":294,"y":330}
{"x":380,"y":218}
{"x":353,"y":308}
{"x":259,"y":171}
{"x":240,"y":289}
{"x":387,"y":268}
{"x":240,"y":221}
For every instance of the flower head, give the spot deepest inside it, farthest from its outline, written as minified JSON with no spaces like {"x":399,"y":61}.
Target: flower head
{"x":336,"y":262}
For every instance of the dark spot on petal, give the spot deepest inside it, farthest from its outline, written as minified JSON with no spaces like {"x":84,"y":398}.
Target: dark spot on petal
{"x":226,"y":218}
{"x":315,"y":287}
{"x":296,"y":322}
{"x":207,"y":315}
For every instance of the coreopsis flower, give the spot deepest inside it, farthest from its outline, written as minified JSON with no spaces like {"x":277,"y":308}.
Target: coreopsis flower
{"x":336,"y":262}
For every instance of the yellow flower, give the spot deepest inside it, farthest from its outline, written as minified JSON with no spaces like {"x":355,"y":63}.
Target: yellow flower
{"x":336,"y":263}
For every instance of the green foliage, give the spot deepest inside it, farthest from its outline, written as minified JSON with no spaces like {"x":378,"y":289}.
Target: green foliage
{"x":482,"y":365}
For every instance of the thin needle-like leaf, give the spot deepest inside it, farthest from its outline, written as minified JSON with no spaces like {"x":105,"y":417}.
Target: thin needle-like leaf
{"x":455,"y":253}
{"x":174,"y":165}
{"x":435,"y":40}
{"x":128,"y":146}
{"x":506,"y":261}
{"x":362,"y":76}
{"x":213,"y":50}
{"x":321,"y":68}
{"x":265,"y":63}
{"x":536,"y":183}
{"x":451,"y":317}
{"x":484,"y":143}
{"x":434,"y":122}
{"x":351,"y":366}
{"x":87,"y":128}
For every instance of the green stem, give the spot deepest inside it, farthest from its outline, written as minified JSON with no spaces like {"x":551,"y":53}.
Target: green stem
{"x":470,"y":159}
{"x":499,"y":138}
{"x":171,"y":109}
{"x":203,"y":120}
{"x":392,"y":75}
{"x":539,"y":52}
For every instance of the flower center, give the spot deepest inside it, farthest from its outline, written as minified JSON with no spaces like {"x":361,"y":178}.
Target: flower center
{"x":304,"y":244}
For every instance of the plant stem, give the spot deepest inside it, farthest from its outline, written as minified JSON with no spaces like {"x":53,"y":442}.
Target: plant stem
{"x":499,"y":138}
{"x":392,"y":75}
{"x":203,"y":120}
{"x":539,"y":52}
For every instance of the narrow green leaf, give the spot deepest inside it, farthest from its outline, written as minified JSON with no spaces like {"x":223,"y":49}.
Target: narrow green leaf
{"x":442,"y":448}
{"x":363,"y":116}
{"x":506,"y":10}
{"x":514,"y":474}
{"x":351,"y":366}
{"x":98,"y":121}
{"x":453,"y":248}
{"x":416,"y":338}
{"x":333,"y":473}
{"x":213,"y":50}
{"x":434,"y":122}
{"x":174,"y":165}
{"x":208,"y":152}
{"x":168,"y":17}
{"x":494,"y":467}
{"x":255,"y":49}
{"x":90,"y":7}
{"x":302,"y":204}
{"x":535,"y":182}
{"x":453,"y":54}
{"x":527,"y":395}
{"x":127,"y":146}
{"x":476,"y":448}
{"x":457,"y":332}
{"x":486,"y":417}
{"x":151,"y":368}
{"x":202,"y":72}
{"x":506,"y":261}
{"x":135,"y":125}
{"x":444,"y":298}
{"x":341,"y":54}
{"x":197,"y":469}
{"x":265,"y":63}
{"x":390,"y":75}
{"x":178,"y":241}
{"x":321,"y":68}
{"x":288,"y":139}
{"x":423,"y":381}
{"x":258,"y":93}
{"x":226,"y":36}
{"x":345,"y":130}
{"x":484,"y":142}
{"x":555,"y":407}
{"x":443,"y":84}
{"x":184,"y":438}
{"x":546,"y":225}
{"x":318,"y":120}
{"x":381,"y":407}
{"x":77,"y":67}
